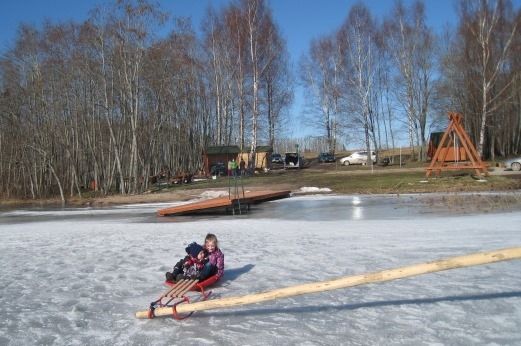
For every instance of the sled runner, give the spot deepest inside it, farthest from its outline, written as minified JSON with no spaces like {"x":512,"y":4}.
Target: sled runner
{"x":183,"y":291}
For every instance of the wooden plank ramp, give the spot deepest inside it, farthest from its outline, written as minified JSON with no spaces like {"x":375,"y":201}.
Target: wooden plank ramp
{"x":250,"y":197}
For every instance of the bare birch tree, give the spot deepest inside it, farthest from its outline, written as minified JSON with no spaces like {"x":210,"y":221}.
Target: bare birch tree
{"x":321,"y":78}
{"x":482,"y":20}
{"x":409,"y":41}
{"x":357,"y":42}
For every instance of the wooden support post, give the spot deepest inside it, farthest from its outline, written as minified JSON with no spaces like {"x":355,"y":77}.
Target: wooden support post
{"x":348,"y":281}
{"x":436,"y":157}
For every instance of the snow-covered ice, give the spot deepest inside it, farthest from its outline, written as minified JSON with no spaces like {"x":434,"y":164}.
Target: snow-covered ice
{"x":77,"y":276}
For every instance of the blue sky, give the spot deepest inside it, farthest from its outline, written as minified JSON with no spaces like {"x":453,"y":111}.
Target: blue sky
{"x":299,"y":20}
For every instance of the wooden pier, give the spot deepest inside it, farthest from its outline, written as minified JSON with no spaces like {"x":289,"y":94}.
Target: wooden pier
{"x":224,"y":203}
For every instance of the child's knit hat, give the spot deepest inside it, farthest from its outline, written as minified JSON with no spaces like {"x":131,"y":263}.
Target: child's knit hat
{"x":194,"y":249}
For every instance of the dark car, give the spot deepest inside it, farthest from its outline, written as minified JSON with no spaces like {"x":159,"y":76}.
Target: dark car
{"x":218,"y":169}
{"x":293,"y":160}
{"x":277,"y":158}
{"x":326,"y":157}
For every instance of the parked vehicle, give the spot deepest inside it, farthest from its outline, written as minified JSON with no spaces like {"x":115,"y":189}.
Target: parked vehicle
{"x":276,"y":158}
{"x":385,"y":162}
{"x":357,"y":158}
{"x":326,"y":157}
{"x":514,"y":163}
{"x":218,"y":169}
{"x":293,"y":160}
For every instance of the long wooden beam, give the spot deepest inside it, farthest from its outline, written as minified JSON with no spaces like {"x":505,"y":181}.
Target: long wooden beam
{"x":348,"y":281}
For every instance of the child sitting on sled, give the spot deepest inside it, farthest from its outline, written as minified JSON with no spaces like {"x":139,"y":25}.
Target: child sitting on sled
{"x":215,"y":258}
{"x":189,"y":267}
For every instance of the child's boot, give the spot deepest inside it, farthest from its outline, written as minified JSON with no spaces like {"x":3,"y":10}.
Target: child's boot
{"x":169,"y":276}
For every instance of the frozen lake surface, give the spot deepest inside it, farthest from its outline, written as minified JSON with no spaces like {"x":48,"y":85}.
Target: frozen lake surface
{"x":77,"y":276}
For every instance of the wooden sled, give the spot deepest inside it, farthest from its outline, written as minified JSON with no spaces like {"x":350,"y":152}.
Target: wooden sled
{"x":183,"y":291}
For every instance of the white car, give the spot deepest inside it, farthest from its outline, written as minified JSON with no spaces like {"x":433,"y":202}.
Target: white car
{"x":514,"y":163}
{"x":357,"y":158}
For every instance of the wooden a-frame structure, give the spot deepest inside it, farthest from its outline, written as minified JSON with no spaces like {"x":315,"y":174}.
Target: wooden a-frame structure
{"x":467,"y":153}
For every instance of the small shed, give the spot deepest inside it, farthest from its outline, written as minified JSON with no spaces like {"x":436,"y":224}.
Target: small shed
{"x":262,"y":157}
{"x":219,"y":156}
{"x":453,"y":148}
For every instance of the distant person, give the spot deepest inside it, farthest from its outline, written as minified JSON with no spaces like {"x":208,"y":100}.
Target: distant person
{"x":214,"y":265}
{"x":242,"y":167}
{"x":191,"y":266}
{"x":230,"y":165}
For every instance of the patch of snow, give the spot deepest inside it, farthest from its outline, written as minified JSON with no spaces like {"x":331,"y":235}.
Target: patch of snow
{"x":313,"y":190}
{"x":213,"y":194}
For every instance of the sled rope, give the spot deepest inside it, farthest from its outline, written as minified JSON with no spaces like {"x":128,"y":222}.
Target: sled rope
{"x":345,"y":282}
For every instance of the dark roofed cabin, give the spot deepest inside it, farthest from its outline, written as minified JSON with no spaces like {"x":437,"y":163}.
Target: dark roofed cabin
{"x":219,"y":156}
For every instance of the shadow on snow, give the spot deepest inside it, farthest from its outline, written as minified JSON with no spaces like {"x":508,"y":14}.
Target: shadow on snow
{"x":422,"y":301}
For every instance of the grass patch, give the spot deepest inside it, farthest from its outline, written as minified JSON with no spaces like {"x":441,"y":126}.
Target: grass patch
{"x":362,"y":181}
{"x":341,"y":180}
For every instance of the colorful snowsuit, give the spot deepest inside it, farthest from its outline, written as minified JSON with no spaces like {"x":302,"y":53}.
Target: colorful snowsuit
{"x":214,"y":266}
{"x":187,"y":268}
